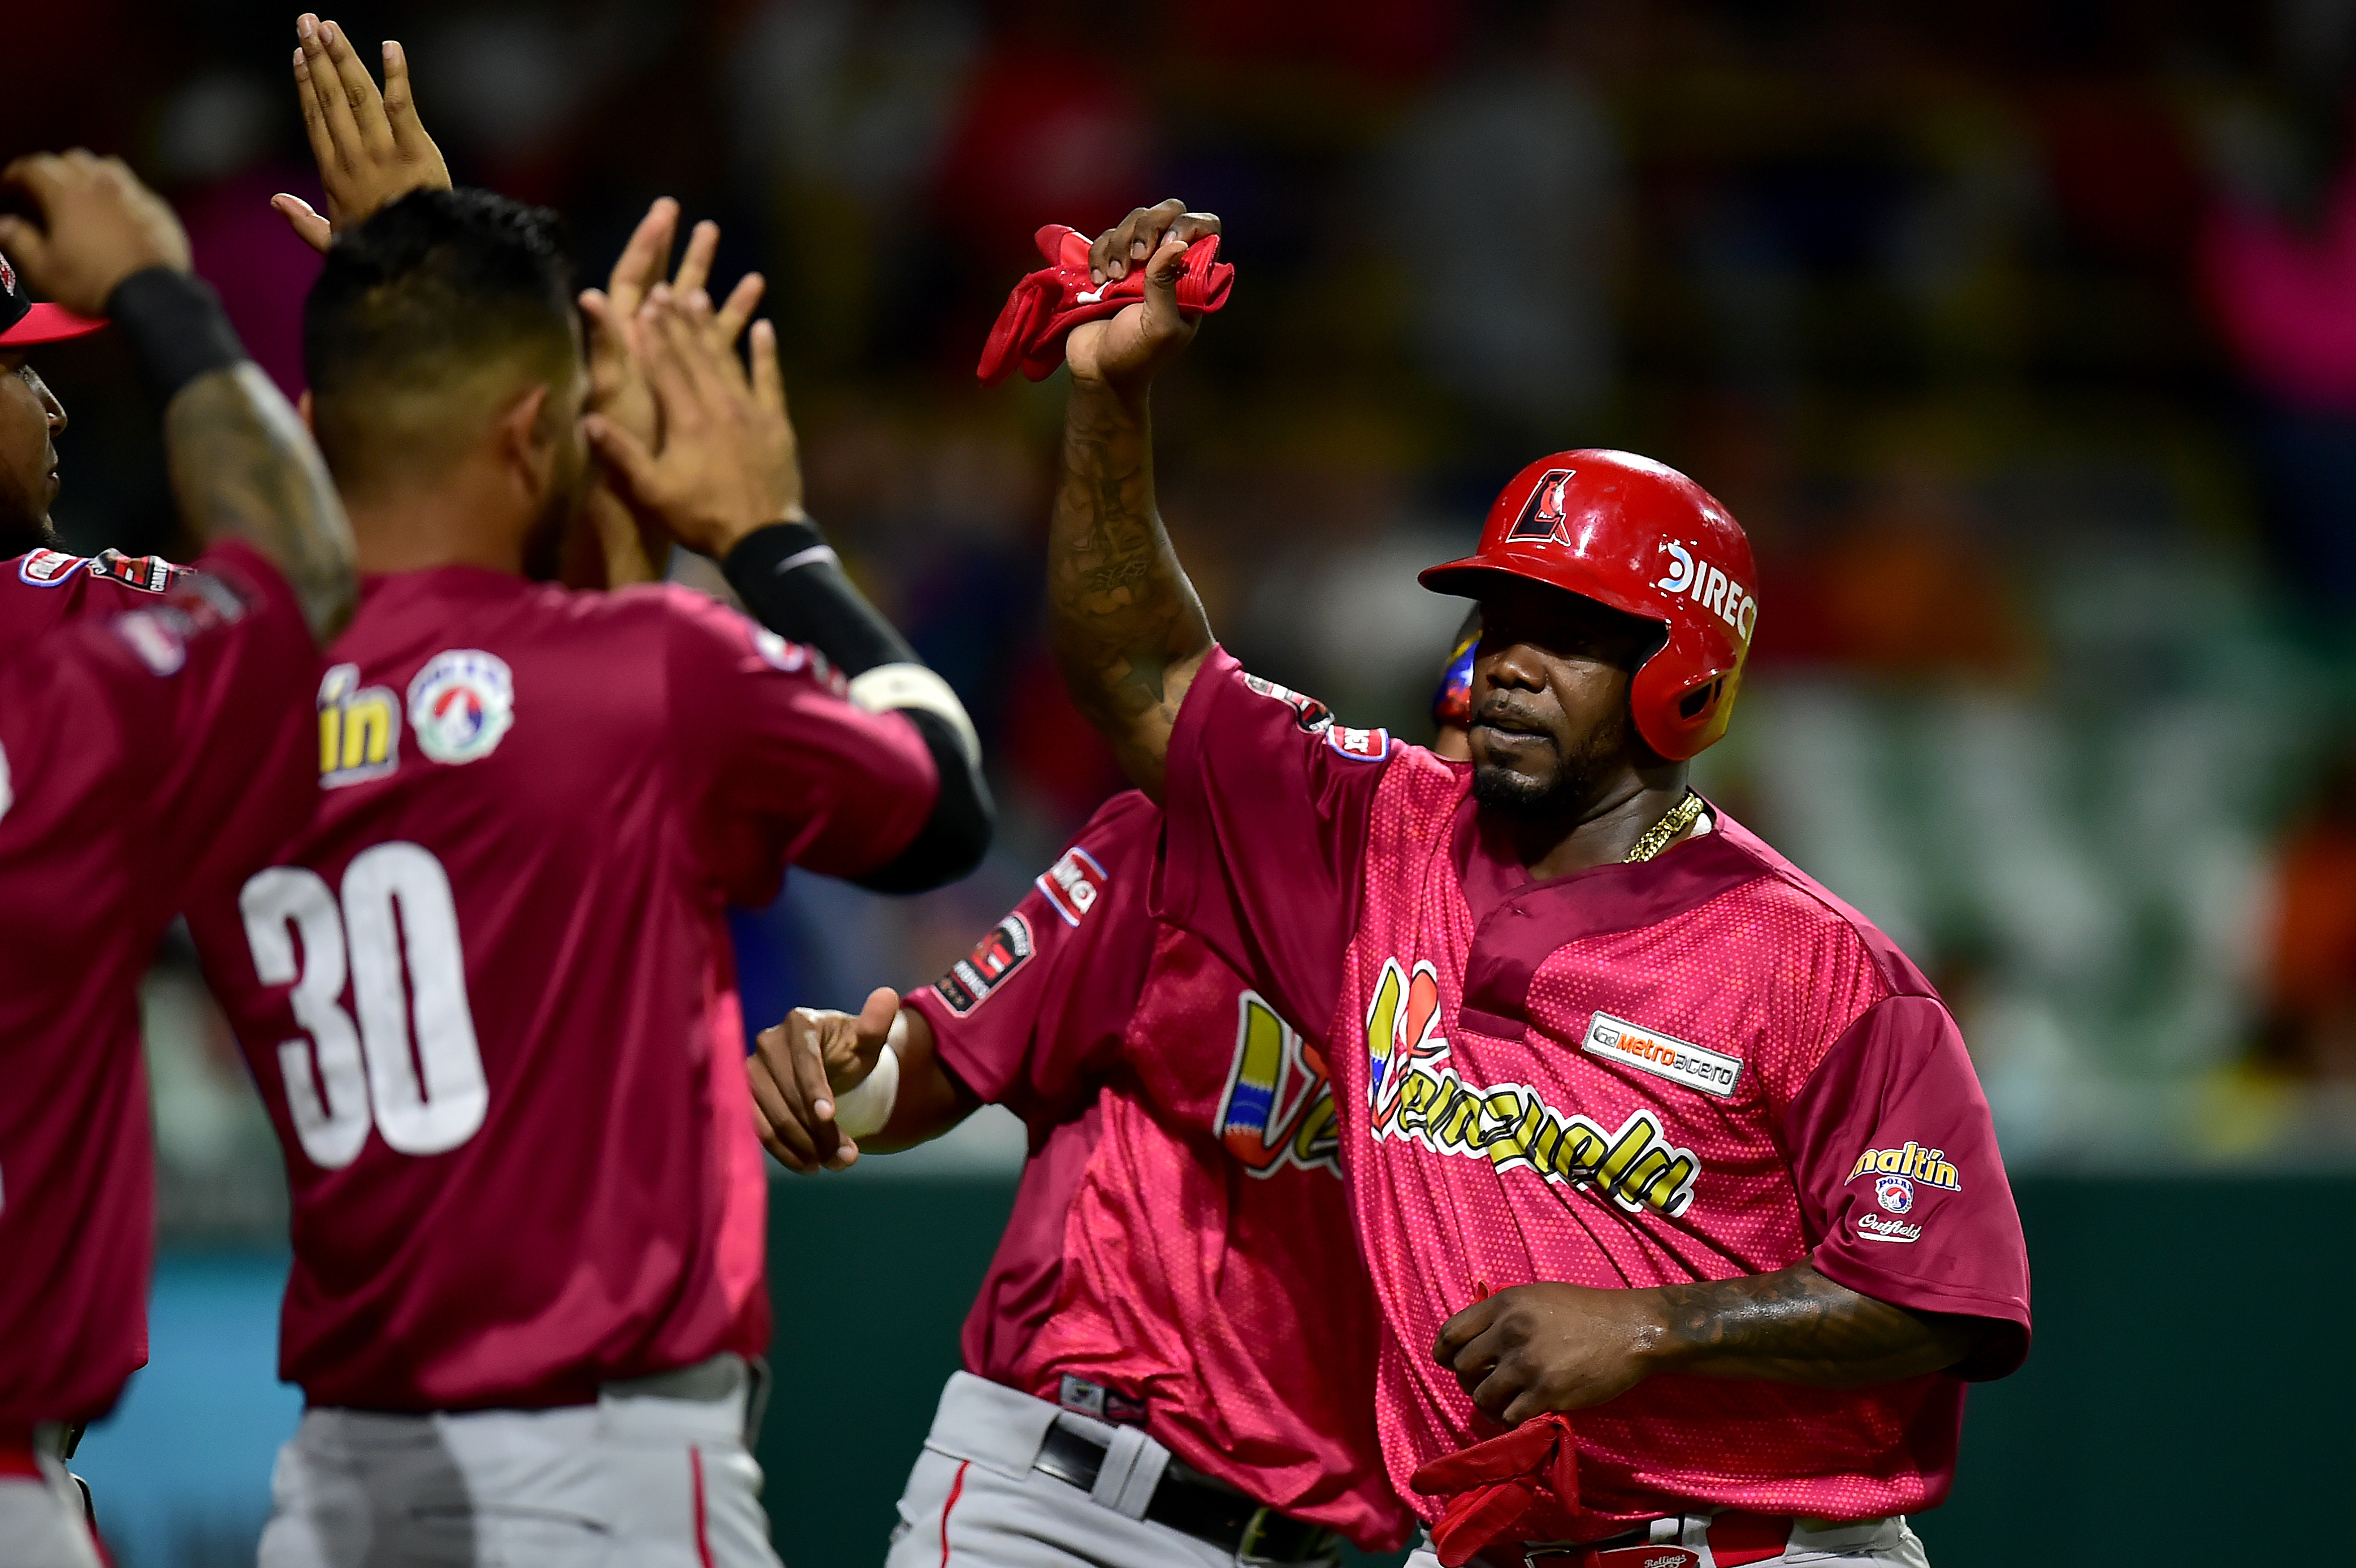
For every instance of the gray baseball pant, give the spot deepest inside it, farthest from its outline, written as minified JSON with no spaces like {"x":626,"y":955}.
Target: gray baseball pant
{"x":1869,"y":1543}
{"x":974,"y":1500}
{"x":633,"y":1481}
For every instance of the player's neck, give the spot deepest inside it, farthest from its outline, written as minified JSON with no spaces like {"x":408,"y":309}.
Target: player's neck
{"x":464,"y":519}
{"x":1603,"y":832}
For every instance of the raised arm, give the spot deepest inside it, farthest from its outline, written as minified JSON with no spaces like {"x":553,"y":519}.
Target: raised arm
{"x":370,"y":147}
{"x":242,"y":465}
{"x":1128,"y":631}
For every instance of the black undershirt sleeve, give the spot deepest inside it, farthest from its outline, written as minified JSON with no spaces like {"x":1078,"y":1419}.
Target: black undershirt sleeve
{"x":791,"y":582}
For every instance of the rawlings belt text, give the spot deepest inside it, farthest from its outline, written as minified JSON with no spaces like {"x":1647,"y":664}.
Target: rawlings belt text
{"x":1417,"y":1099}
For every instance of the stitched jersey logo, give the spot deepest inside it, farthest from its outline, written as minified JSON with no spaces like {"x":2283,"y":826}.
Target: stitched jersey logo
{"x":460,"y":704}
{"x":1072,"y":885}
{"x":1417,"y":1098}
{"x":1277,"y":1109}
{"x":1922,"y":1166}
{"x":359,"y":729}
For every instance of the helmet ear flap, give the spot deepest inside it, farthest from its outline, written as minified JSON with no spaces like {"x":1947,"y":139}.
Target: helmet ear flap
{"x":1682,"y":723}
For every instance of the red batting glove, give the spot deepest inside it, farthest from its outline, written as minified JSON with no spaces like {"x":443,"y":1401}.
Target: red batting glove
{"x":1496,"y":1483}
{"x":1046,"y":306}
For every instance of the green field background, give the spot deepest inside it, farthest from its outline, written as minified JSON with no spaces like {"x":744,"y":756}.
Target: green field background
{"x":2188,"y":1397}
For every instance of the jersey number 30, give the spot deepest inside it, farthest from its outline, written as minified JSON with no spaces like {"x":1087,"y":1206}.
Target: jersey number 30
{"x":397,"y":934}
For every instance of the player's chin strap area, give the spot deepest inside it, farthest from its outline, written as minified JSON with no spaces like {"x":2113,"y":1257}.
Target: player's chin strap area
{"x":792,"y":581}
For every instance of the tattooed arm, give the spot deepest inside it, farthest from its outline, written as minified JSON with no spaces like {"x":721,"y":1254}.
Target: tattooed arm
{"x":1560,"y":1346}
{"x":243,"y":467}
{"x":1128,"y":631}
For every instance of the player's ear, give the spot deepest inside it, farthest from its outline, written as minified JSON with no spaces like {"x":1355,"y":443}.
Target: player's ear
{"x":527,"y":436}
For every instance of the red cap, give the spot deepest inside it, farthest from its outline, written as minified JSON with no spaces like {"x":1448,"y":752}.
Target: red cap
{"x":24,"y":324}
{"x":1641,"y":537}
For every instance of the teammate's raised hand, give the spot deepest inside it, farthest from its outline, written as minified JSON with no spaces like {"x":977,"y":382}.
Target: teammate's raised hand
{"x":93,"y":224}
{"x":1126,"y":350}
{"x":618,"y":388}
{"x":799,"y":1067}
{"x":370,"y":147}
{"x":726,"y":462}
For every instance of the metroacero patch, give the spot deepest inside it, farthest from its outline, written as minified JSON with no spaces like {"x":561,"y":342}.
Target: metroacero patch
{"x":1648,"y":1050}
{"x":972,"y":978}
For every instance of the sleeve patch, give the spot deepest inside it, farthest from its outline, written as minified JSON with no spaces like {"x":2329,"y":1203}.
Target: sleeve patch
{"x":1072,"y":885}
{"x":972,"y":978}
{"x":1359,"y":744}
{"x":48,"y":568}
{"x":195,"y":603}
{"x":1314,"y":717}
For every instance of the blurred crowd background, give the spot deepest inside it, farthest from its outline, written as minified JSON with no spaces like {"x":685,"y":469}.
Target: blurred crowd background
{"x":2021,"y":337}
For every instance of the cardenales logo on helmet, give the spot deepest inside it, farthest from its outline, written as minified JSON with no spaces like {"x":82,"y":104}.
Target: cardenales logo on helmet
{"x":1543,"y":515}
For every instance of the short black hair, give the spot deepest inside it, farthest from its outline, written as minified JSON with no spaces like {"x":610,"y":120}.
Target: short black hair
{"x":437,"y":283}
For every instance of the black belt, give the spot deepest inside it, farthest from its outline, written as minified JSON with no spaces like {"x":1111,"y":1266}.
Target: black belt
{"x":1194,"y":1504}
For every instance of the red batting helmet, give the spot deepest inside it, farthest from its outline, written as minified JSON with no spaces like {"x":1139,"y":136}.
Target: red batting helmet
{"x":1641,"y":537}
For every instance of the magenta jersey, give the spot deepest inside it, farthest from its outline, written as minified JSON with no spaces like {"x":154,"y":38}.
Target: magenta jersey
{"x":487,"y":991}
{"x":147,"y":739}
{"x":1180,"y":1239}
{"x":1700,"y":1066}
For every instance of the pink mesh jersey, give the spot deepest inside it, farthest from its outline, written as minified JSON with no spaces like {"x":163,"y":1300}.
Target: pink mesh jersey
{"x":1180,"y":1240}
{"x":1692,"y":1067}
{"x":150,"y":737}
{"x":487,"y":991}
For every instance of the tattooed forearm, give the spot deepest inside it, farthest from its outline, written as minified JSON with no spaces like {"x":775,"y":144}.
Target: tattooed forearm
{"x":1129,"y":632}
{"x":244,"y":467}
{"x":1796,"y":1326}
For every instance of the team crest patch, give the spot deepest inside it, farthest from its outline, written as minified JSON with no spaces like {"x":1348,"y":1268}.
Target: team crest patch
{"x":1894,"y":1193}
{"x":1312,"y":715}
{"x":359,"y":729}
{"x":48,"y":568}
{"x":460,"y":704}
{"x":972,"y":978}
{"x":1647,"y":1050}
{"x":1072,"y":885}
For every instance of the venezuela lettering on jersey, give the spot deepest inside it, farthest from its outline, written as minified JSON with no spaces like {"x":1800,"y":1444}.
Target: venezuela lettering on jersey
{"x":1277,"y":1109}
{"x":1417,"y":1098}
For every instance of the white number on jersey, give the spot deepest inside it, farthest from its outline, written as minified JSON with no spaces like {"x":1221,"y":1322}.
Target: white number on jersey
{"x":397,"y":938}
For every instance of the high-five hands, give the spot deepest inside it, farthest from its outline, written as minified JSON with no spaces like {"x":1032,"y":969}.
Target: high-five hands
{"x":1123,"y":352}
{"x":800,"y":1066}
{"x":726,"y":462}
{"x":370,"y":147}
{"x":96,"y":226}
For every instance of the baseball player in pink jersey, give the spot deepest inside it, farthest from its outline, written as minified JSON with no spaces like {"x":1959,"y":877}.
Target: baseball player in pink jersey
{"x":1139,"y":1387}
{"x":1639,"y":1123}
{"x":151,"y":735}
{"x":487,"y":991}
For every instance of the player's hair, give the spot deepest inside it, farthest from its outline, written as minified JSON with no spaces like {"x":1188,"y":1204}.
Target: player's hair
{"x":441,"y":295}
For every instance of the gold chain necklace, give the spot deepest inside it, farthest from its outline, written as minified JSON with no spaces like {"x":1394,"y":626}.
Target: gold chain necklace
{"x":1656,"y":837}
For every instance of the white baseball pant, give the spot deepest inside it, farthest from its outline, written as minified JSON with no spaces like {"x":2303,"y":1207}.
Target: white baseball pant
{"x":42,"y":1524}
{"x":974,"y":1500}
{"x":1869,"y":1543}
{"x":632,"y":1481}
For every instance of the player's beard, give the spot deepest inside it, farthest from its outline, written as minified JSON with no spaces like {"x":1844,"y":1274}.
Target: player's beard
{"x":1582,"y":774}
{"x":20,"y":533}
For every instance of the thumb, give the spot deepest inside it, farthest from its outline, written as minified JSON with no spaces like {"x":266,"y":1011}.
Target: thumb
{"x":301,"y":217}
{"x":626,"y":457}
{"x":1162,"y":318}
{"x":875,"y":1021}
